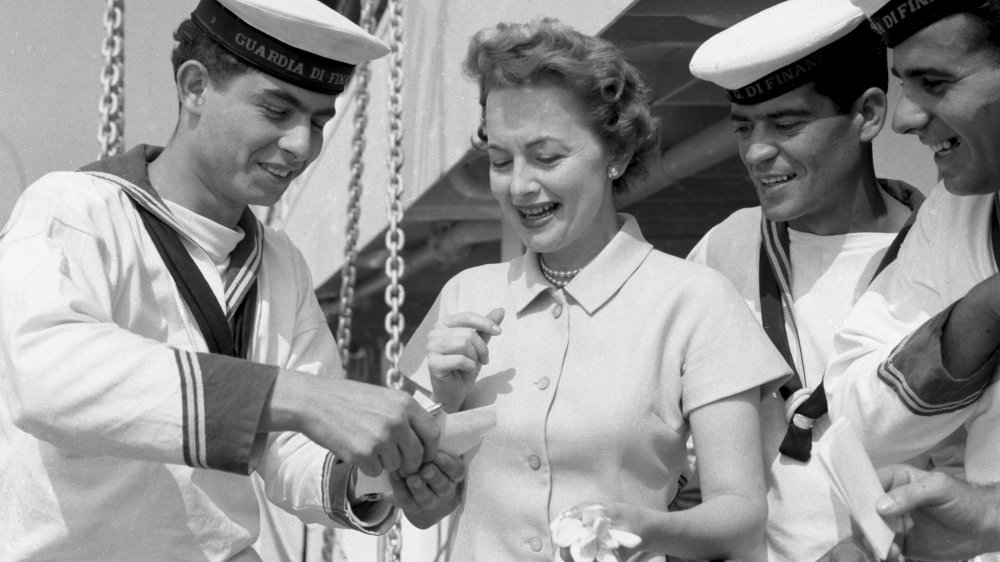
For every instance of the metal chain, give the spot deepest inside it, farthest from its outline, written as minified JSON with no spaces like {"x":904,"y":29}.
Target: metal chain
{"x":112,"y":132}
{"x":348,"y":278}
{"x":345,"y":304}
{"x":395,"y":295}
{"x":395,"y":239}
{"x":391,"y":544}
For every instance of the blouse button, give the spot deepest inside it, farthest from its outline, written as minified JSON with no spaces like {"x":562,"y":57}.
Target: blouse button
{"x":557,"y":311}
{"x":535,"y":543}
{"x":534,"y":462}
{"x":542,"y":383}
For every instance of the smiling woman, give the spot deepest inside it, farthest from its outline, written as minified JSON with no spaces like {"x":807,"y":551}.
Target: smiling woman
{"x":599,"y":353}
{"x":548,"y":171}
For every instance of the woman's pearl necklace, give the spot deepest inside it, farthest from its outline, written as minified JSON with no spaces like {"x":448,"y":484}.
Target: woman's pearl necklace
{"x":554,"y":276}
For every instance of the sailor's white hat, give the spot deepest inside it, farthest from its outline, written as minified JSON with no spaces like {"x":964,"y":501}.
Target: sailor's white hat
{"x":777,"y":49}
{"x":304,"y":42}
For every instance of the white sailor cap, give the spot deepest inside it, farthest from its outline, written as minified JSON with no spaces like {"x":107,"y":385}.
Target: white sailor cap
{"x":778,"y":49}
{"x":896,"y":20}
{"x":304,"y":42}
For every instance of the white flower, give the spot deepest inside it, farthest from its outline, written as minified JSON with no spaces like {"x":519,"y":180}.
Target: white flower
{"x":588,"y":534}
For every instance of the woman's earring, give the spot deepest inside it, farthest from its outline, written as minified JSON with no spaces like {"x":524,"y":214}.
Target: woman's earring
{"x":612,"y":171}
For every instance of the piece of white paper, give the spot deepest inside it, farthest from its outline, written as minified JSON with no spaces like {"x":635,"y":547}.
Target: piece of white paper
{"x":460,"y":432}
{"x":854,"y":480}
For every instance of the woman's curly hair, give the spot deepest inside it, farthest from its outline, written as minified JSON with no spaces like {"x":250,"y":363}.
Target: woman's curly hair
{"x":610,"y":90}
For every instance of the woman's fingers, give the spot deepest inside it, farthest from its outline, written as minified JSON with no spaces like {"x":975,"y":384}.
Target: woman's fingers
{"x":487,"y":325}
{"x":426,"y":488}
{"x":448,"y":365}
{"x":464,"y":342}
{"x":441,"y":485}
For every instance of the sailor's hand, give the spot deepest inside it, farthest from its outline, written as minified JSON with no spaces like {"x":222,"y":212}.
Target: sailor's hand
{"x":940,"y":516}
{"x":375,"y":427}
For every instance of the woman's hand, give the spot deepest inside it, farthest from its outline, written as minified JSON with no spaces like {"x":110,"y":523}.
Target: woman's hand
{"x":456,"y":350}
{"x":595,"y":531}
{"x":431,"y":492}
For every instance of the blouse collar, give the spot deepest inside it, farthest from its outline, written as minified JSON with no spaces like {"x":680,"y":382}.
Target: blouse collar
{"x":597,"y":282}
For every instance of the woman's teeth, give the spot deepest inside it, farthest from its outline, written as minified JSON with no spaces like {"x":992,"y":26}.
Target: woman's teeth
{"x":538,"y":212}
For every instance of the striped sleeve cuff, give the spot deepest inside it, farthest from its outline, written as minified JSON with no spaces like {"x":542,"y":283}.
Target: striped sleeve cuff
{"x":223,"y":399}
{"x":370,"y":517}
{"x":915,"y":372}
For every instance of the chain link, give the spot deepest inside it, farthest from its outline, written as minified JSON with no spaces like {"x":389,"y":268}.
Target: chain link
{"x":395,"y":239}
{"x":348,"y":273}
{"x":112,"y":106}
{"x":395,"y":295}
{"x":391,"y":544}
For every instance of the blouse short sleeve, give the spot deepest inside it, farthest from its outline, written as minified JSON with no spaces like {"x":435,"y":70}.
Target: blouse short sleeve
{"x":725,"y":350}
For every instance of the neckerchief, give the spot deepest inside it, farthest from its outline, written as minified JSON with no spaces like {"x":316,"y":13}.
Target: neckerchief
{"x":228,"y":331}
{"x":803,"y":407}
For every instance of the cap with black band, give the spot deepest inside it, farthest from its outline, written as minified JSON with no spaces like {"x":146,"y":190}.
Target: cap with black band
{"x":781,"y":48}
{"x":302,"y":42}
{"x":896,"y":20}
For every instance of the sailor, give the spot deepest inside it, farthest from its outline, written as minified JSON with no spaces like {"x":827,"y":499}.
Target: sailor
{"x":917,"y":358}
{"x":158,"y":343}
{"x":807,"y":83}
